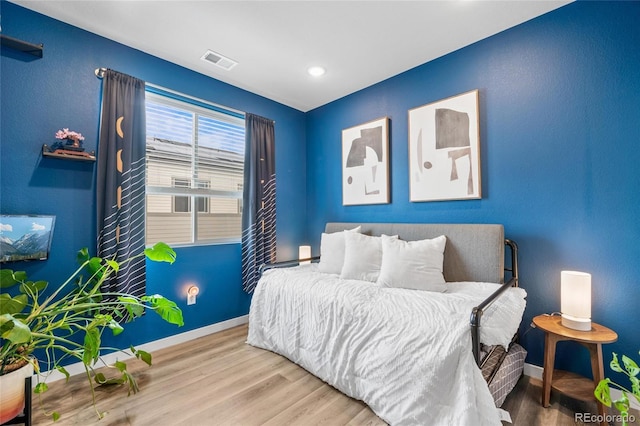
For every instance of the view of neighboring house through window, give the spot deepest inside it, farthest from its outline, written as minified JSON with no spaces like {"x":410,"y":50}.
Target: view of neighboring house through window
{"x":195,"y":166}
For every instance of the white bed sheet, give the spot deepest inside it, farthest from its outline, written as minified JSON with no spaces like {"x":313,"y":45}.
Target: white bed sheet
{"x":406,"y":353}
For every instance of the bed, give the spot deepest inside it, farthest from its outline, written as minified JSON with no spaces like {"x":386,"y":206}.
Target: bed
{"x":415,"y":356}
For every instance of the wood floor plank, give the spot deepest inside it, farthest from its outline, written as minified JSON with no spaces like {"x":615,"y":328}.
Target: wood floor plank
{"x":220,"y":380}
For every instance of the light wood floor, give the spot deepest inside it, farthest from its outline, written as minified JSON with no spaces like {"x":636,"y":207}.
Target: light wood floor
{"x":220,"y":380}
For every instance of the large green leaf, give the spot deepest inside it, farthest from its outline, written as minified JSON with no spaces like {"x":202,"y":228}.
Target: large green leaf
{"x":160,"y":252}
{"x":14,"y":330}
{"x":166,"y":308}
{"x":6,"y":278}
{"x":132,"y":305}
{"x":91,"y":346}
{"x":602,"y":393}
{"x":12,"y":305}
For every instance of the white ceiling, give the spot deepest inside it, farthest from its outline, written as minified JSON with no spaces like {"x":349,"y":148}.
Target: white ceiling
{"x":359,"y":42}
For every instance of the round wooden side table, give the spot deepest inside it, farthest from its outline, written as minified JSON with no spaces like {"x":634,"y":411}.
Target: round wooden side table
{"x":570,"y":384}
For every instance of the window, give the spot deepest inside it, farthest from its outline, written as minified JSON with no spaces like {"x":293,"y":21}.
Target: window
{"x":195,"y":157}
{"x":182,"y":204}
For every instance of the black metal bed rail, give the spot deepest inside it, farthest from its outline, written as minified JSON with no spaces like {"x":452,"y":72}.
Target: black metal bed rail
{"x":476,"y":313}
{"x":286,"y":263}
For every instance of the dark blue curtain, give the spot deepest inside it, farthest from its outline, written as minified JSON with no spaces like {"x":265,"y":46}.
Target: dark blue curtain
{"x":259,"y":201}
{"x":120,"y":180}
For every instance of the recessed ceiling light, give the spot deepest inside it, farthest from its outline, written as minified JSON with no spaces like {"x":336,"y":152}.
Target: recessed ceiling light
{"x":316,"y":71}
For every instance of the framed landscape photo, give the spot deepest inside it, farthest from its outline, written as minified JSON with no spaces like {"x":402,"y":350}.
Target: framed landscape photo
{"x":444,"y":149}
{"x":365,"y":163}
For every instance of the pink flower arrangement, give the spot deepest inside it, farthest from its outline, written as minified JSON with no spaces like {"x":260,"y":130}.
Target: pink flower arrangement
{"x":66,"y":134}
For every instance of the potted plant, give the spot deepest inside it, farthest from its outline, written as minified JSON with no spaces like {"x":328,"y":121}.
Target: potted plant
{"x":622,"y":404}
{"x":42,"y":331}
{"x":69,"y":140}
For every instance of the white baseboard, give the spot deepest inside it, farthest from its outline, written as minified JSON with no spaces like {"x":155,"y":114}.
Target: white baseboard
{"x":533,"y":371}
{"x":536,"y":372}
{"x":176,"y":339}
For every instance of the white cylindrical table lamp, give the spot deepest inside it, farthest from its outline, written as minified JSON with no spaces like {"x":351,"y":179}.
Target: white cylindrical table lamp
{"x":575,"y":300}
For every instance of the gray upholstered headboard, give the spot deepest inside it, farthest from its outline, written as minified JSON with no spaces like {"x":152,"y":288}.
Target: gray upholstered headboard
{"x":474,"y":252}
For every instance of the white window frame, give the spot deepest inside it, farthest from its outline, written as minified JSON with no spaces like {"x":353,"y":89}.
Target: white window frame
{"x":186,"y":183}
{"x":216,"y":112}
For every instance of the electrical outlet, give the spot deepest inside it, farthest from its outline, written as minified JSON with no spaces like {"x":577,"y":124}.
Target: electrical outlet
{"x":191,"y":299}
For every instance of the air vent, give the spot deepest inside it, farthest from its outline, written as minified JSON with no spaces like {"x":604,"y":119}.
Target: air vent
{"x":219,"y":60}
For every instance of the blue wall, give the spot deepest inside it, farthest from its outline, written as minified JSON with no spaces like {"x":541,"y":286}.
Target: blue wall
{"x":560,"y":153}
{"x":560,"y":126}
{"x":60,"y":90}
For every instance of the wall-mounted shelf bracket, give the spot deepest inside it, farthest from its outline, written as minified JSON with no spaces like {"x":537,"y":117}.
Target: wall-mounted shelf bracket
{"x":23,"y":46}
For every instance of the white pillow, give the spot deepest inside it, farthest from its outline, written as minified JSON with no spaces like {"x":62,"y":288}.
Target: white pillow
{"x":362,"y":257}
{"x":332,"y":251}
{"x":413,"y":264}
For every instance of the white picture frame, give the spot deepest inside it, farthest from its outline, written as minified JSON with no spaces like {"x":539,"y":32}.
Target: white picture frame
{"x":365,"y":163}
{"x":444,"y":150}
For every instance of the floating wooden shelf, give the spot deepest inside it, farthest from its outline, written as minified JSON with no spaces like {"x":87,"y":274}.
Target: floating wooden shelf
{"x":23,"y":46}
{"x":68,"y":155}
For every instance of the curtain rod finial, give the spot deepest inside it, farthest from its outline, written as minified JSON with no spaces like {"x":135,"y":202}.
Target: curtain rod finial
{"x":100,"y":72}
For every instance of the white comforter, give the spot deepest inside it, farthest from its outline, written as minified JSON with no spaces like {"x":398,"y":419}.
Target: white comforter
{"x":405,"y":353}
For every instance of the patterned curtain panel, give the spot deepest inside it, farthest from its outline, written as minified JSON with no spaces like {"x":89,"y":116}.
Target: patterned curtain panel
{"x":120,"y":182}
{"x":259,"y":202}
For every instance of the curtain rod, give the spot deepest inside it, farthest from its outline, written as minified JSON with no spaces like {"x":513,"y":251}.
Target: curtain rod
{"x":99,"y":72}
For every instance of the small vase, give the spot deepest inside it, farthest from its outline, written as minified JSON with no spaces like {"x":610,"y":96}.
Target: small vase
{"x":73,"y":145}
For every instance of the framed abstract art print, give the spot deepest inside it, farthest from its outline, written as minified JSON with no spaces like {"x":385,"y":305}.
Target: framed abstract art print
{"x":444,"y":149}
{"x":365,"y":163}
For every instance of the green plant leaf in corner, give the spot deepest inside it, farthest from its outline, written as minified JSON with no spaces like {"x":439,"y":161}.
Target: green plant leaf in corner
{"x":630,"y":366}
{"x":102,"y":380}
{"x":82,"y":255}
{"x":12,"y":305}
{"x":55,"y":416}
{"x":40,"y":388}
{"x":91,"y":346}
{"x":166,"y":308}
{"x":33,"y":287}
{"x":622,"y":404}
{"x":64,"y":371}
{"x":115,"y":327}
{"x":6,"y":278}
{"x":132,"y":305}
{"x":14,"y":330}
{"x":142,"y":355}
{"x":602,"y":392}
{"x":614,"y":364}
{"x":160,"y":252}
{"x":635,"y":387}
{"x":113,"y":265}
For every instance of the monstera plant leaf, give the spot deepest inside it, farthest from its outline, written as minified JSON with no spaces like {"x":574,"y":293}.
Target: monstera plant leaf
{"x":161,"y":252}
